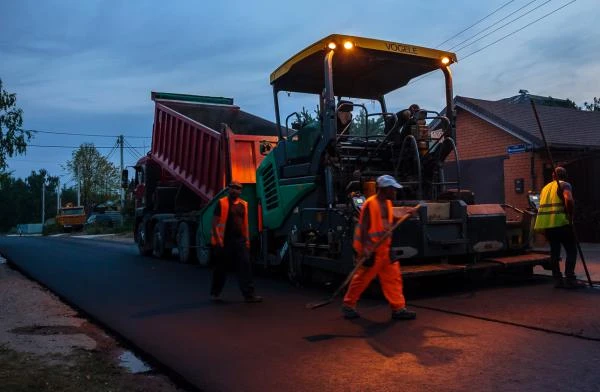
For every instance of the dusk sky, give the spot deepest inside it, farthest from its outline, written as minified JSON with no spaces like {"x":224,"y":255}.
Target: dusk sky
{"x":89,"y":66}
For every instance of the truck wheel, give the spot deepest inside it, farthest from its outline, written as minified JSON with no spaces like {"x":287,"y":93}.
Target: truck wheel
{"x":144,"y":247}
{"x":185,"y":243}
{"x":158,"y":244}
{"x":202,"y":249}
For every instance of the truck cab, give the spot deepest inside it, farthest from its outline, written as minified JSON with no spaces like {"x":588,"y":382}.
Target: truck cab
{"x":71,"y":217}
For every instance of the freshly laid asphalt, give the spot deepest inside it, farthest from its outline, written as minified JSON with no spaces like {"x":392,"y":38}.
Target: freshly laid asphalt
{"x":514,"y":337}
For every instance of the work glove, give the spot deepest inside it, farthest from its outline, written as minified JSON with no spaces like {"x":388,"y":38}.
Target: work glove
{"x":370,"y":259}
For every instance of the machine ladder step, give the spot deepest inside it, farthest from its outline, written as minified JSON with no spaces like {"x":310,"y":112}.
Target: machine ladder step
{"x":411,"y":271}
{"x":524,"y":259}
{"x":445,"y":222}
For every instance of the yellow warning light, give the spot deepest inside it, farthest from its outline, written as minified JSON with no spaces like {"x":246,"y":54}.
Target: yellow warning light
{"x":445,"y":60}
{"x":348,"y":45}
{"x":332,"y":45}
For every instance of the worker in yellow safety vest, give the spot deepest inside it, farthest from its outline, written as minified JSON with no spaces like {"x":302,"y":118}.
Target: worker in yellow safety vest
{"x":230,"y":241}
{"x":554,"y":218}
{"x":377,"y":216}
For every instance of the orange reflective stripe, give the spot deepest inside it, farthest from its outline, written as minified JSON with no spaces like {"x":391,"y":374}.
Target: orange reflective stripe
{"x":260,"y":218}
{"x":218,"y":237}
{"x":245,"y":229}
{"x":376,"y":229}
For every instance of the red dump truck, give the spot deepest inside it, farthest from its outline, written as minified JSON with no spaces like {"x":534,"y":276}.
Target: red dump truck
{"x":199,"y":144}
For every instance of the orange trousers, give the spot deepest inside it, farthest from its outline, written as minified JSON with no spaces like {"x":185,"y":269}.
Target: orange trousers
{"x":390,"y":279}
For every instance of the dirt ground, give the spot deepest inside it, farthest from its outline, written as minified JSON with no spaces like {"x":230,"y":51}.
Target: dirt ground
{"x":46,"y":346}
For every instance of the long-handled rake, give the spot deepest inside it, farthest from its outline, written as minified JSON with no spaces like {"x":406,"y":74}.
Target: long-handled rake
{"x":361,"y":261}
{"x":558,"y":184}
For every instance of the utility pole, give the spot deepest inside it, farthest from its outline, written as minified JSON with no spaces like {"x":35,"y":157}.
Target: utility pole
{"x":121,"y":142}
{"x":43,"y":200}
{"x":79,"y":186}
{"x":58,"y":196}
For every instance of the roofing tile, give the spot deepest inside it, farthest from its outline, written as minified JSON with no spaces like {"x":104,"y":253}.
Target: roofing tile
{"x":563,"y":127}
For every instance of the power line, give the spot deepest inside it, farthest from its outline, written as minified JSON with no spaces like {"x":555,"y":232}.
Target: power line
{"x":516,"y":31}
{"x":71,"y":147}
{"x":476,"y":23}
{"x":504,"y":25}
{"x":495,"y":42}
{"x":82,"y":134}
{"x":133,"y":148}
{"x":132,"y":156}
{"x":30,"y":161}
{"x":113,"y":150}
{"x":492,"y":25}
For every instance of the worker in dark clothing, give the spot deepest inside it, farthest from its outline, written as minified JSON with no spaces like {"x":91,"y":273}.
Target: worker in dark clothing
{"x":231,"y":244}
{"x":399,"y":128}
{"x":344,"y":117}
{"x":554,"y":217}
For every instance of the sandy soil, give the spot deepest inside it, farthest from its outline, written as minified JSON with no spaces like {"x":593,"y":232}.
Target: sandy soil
{"x":46,"y":346}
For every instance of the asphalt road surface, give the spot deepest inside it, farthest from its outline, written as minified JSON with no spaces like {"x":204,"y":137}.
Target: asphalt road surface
{"x":524,"y":336}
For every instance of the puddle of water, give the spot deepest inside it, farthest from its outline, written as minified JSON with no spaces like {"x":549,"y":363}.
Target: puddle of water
{"x":132,"y":363}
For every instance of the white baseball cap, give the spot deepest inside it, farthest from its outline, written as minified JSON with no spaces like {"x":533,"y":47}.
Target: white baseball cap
{"x":386,"y":181}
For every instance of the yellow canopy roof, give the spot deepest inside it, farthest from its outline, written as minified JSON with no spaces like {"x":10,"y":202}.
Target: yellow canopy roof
{"x":369,"y":69}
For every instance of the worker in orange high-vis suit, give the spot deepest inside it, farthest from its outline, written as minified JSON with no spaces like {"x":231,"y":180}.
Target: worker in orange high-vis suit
{"x":376,"y":217}
{"x":231,"y":244}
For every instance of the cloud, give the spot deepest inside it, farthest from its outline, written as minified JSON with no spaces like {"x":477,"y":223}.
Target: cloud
{"x":90,"y":66}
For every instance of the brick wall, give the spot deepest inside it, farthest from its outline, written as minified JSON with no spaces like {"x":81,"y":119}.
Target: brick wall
{"x":476,"y":138}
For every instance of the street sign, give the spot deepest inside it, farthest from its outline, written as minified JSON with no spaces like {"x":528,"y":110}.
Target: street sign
{"x":516,"y":148}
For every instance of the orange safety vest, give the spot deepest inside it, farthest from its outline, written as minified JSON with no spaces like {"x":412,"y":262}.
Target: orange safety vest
{"x":218,"y":232}
{"x":376,"y":228}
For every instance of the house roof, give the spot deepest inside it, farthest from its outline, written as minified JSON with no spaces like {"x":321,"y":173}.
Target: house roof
{"x":525,"y":97}
{"x":563,"y":128}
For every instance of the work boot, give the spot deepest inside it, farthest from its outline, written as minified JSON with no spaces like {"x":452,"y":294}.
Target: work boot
{"x":216,"y":298}
{"x":572,"y":283}
{"x":403,"y":314}
{"x":251,"y":299}
{"x":349,"y":313}
{"x":559,"y":283}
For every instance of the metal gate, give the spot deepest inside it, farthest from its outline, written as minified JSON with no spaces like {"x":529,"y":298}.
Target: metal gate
{"x":583,"y":174}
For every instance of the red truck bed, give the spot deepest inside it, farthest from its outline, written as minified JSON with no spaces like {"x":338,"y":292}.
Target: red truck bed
{"x":203,"y":144}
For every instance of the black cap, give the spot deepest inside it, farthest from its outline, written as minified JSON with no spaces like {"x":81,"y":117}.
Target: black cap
{"x":235,"y":184}
{"x":345,"y":106}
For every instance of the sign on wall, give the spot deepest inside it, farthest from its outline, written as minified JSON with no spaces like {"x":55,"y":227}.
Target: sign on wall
{"x":517,"y":148}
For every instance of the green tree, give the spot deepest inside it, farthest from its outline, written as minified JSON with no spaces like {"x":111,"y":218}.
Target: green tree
{"x":99,"y":178}
{"x":373,"y":126}
{"x":21,"y":200}
{"x":35,"y":184}
{"x":13,"y":139}
{"x":68,"y":195}
{"x":304,"y":118}
{"x":572,"y":104}
{"x":593,"y":106}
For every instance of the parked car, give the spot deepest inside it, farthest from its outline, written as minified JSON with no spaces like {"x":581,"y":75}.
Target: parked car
{"x":110,"y":219}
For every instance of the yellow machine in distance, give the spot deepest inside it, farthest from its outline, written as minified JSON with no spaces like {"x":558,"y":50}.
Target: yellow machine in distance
{"x":71,"y":217}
